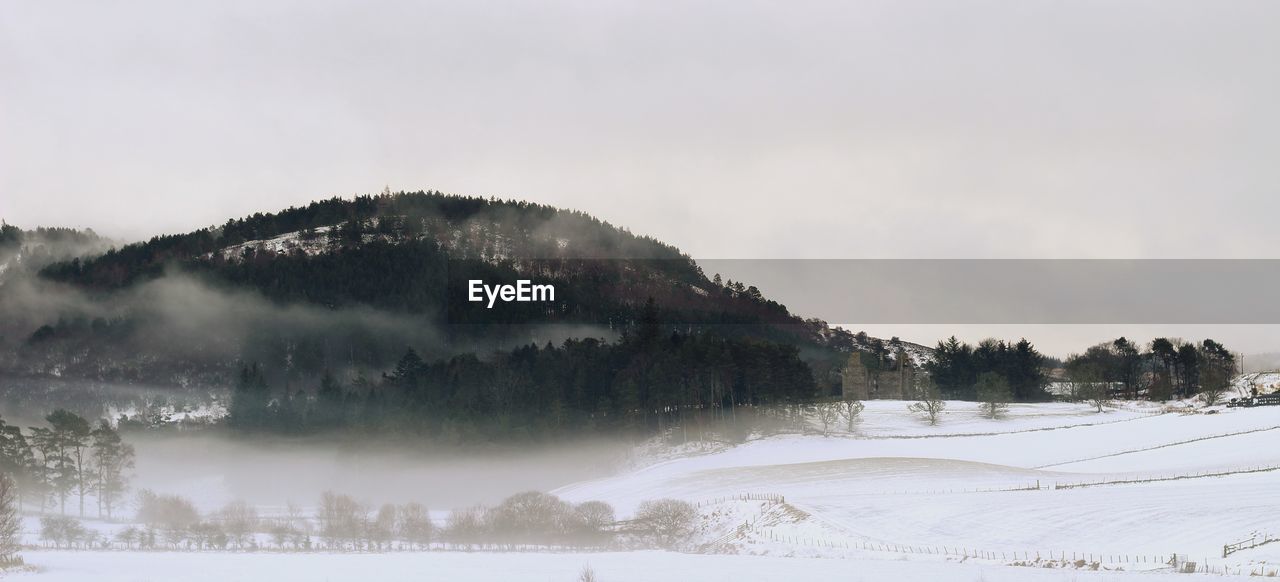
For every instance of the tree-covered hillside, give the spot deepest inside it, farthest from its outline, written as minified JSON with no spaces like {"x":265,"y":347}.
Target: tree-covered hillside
{"x":402,"y":252}
{"x":345,"y":286}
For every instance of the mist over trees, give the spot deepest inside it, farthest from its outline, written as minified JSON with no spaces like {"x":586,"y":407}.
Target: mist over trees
{"x":647,"y":381}
{"x":306,"y":317}
{"x":47,"y":245}
{"x":66,"y":460}
{"x":343,"y":286}
{"x":650,"y":381}
{"x":10,"y":522}
{"x":341,"y":523}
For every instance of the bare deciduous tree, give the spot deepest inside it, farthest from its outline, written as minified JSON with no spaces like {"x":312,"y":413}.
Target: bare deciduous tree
{"x":383,"y":527}
{"x":415,"y":525}
{"x":594,"y":519}
{"x":828,"y":414}
{"x":341,"y":520}
{"x":994,"y":394}
{"x":1088,"y":385}
{"x":668,"y":521}
{"x":531,"y":517}
{"x":850,"y":409}
{"x":10,"y":522}
{"x":930,"y":403}
{"x":466,"y":526}
{"x":239,"y":520}
{"x":1213,"y":384}
{"x":172,"y":514}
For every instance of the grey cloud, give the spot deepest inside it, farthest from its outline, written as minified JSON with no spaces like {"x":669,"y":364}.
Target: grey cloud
{"x":921,"y":129}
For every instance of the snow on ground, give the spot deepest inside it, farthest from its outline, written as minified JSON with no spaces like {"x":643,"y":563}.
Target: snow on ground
{"x":889,"y":418}
{"x":285,"y":243}
{"x":956,"y":456}
{"x":899,"y":481}
{"x":895,"y":499}
{"x":169,"y":413}
{"x":531,"y":567}
{"x":1265,"y":382}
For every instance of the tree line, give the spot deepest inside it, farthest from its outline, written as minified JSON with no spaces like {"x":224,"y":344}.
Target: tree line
{"x":646,"y":381}
{"x":67,"y":460}
{"x":959,"y":369}
{"x":340,"y":523}
{"x":1162,"y":369}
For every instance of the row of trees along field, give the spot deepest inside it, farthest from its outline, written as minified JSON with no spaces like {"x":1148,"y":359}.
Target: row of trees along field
{"x":340,"y":523}
{"x":69,"y":459}
{"x":649,"y":381}
{"x":1163,"y":369}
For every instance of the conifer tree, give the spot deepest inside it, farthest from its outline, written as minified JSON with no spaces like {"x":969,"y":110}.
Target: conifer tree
{"x":111,"y":458}
{"x":18,"y":461}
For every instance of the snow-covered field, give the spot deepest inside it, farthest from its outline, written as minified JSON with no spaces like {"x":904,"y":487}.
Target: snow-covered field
{"x":645,"y":566}
{"x":1002,"y":488}
{"x":896,"y":499}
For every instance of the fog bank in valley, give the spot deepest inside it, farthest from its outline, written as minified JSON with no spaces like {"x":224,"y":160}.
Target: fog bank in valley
{"x":213,"y":469}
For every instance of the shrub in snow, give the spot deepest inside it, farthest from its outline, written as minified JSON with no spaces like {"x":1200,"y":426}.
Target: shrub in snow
{"x":668,"y":522}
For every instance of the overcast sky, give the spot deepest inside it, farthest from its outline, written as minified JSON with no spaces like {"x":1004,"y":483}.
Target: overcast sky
{"x":731,"y":129}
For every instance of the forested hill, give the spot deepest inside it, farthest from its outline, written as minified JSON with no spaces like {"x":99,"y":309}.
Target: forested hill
{"x":401,"y":252}
{"x":345,"y":286}
{"x":35,"y":249}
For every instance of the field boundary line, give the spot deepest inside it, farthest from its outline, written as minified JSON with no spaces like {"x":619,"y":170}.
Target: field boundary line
{"x":1163,"y":446}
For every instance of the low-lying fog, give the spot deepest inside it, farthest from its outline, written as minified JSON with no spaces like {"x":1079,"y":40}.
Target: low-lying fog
{"x":214,"y":469}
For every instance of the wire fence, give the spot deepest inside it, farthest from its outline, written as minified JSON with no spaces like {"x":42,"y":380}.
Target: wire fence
{"x":773,"y":531}
{"x":1162,"y":446}
{"x":1039,"y":485}
{"x":1253,"y":542}
{"x":768,"y":497}
{"x":1171,"y":477}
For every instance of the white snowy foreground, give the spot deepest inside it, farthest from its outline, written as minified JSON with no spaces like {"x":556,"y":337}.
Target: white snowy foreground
{"x":648,"y":566}
{"x":1049,"y":492}
{"x":1004,"y":489}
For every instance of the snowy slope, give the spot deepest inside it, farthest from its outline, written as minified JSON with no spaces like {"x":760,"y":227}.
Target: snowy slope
{"x":1005,"y":486}
{"x":895,"y":500}
{"x":1265,"y":382}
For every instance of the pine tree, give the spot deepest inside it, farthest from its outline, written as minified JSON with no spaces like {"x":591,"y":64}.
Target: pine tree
{"x":1166,"y":355}
{"x":1188,"y":369}
{"x":17,"y":460}
{"x":1128,"y":363}
{"x":328,"y":406}
{"x":249,"y":401}
{"x":111,"y":458}
{"x":62,"y":446}
{"x":1216,"y":369}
